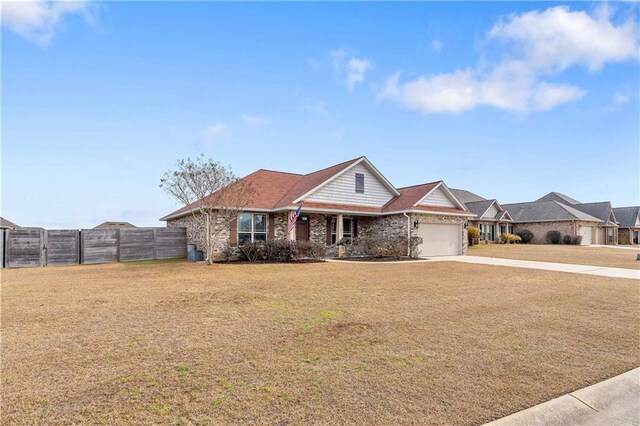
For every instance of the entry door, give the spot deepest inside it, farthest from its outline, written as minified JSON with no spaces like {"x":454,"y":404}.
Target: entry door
{"x":302,"y":228}
{"x":635,"y":237}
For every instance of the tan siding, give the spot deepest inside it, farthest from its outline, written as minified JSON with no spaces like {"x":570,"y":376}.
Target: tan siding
{"x":491,"y":212}
{"x":342,"y":190}
{"x":437,"y":198}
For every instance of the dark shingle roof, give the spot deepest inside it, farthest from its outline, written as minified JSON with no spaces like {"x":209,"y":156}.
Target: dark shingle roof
{"x":543,"y":211}
{"x":114,"y":225}
{"x":479,"y":207}
{"x":4,"y":223}
{"x":466,"y":196}
{"x":557,"y":196}
{"x":601,"y":210}
{"x":627,"y":216}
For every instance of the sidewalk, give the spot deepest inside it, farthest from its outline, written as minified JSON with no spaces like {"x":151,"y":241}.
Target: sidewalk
{"x":547,"y":266}
{"x":614,"y":402}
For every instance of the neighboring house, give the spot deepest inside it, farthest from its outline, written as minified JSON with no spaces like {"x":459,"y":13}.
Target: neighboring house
{"x":489,"y":216}
{"x":606,"y":231}
{"x":628,"y":224}
{"x":114,"y":225}
{"x":6,"y":224}
{"x":540,"y":217}
{"x":338,"y":203}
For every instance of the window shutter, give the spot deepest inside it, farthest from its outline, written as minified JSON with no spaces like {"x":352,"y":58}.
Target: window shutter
{"x":355,"y":227}
{"x":271,"y":227}
{"x":233,"y":240}
{"x":328,"y":230}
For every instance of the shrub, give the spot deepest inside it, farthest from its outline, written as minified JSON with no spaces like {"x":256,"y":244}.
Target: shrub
{"x":309,"y":250}
{"x":525,"y":235}
{"x":566,"y":239}
{"x":252,"y":251}
{"x":553,"y":237}
{"x":282,"y":250}
{"x":509,"y":238}
{"x":577,"y":240}
{"x":380,"y":246}
{"x":473,"y":234}
{"x":415,"y":242}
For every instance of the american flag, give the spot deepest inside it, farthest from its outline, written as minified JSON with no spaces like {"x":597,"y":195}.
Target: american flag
{"x":293,"y":219}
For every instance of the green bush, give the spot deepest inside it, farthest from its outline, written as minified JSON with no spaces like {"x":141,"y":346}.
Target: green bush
{"x":577,"y":240}
{"x":525,"y":235}
{"x":566,"y":239}
{"x":553,"y":237}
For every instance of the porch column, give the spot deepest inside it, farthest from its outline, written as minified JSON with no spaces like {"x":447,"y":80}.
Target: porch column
{"x":292,"y":234}
{"x":339,"y":234}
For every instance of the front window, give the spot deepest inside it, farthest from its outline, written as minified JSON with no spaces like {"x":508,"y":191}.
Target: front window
{"x":503,"y":229}
{"x":347,"y":227}
{"x":510,"y":228}
{"x":610,"y":235}
{"x":486,"y":232}
{"x":252,"y":227}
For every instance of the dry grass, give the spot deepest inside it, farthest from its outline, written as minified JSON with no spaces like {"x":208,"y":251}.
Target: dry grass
{"x":580,"y":255}
{"x":432,"y":343}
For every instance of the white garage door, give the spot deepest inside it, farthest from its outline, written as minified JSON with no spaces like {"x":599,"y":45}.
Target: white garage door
{"x":440,"y":239}
{"x":586,"y":232}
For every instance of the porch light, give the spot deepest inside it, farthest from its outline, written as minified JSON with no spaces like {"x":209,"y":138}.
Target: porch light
{"x":416,"y":224}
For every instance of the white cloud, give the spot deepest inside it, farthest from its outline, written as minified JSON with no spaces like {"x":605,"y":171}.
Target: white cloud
{"x":214,"y":133}
{"x":356,"y":70}
{"x":545,"y":44}
{"x":559,"y":38}
{"x":255,"y":120}
{"x":436,"y":45}
{"x":38,"y":21}
{"x":620,"y":99}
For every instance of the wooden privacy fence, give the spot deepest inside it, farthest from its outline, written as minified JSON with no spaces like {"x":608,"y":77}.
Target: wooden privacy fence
{"x":39,"y":247}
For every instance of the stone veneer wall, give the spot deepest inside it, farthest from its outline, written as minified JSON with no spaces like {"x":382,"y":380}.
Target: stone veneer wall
{"x":196,"y":229}
{"x":197,"y":232}
{"x":624,"y":236}
{"x":387,"y":226}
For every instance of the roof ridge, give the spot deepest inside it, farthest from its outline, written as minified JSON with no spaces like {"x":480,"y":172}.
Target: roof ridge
{"x":278,"y":171}
{"x":335,"y":165}
{"x":420,"y":184}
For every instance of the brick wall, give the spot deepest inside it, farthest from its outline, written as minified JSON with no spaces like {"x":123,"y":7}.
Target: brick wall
{"x":540,"y":229}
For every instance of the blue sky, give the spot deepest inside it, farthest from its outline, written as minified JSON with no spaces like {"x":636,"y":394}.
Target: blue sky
{"x":99,"y":99}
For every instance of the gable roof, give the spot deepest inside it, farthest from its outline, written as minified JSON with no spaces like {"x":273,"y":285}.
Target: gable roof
{"x":268,"y":186}
{"x":466,"y":196}
{"x":545,"y":211}
{"x":314,"y":181}
{"x":278,"y":191}
{"x":602,"y":210}
{"x":479,"y":207}
{"x":7,"y":224}
{"x":557,"y":196}
{"x":627,"y":216}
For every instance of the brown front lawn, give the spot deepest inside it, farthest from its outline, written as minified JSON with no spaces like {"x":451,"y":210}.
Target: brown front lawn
{"x":580,"y":255}
{"x":179,"y":343}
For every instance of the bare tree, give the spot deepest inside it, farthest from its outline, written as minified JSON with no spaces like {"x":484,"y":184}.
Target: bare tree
{"x":211,"y":190}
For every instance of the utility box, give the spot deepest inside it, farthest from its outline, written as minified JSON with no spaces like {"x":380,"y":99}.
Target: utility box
{"x":196,"y":256}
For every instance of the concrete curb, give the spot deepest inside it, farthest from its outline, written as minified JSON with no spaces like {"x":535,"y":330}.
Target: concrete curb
{"x":614,"y":402}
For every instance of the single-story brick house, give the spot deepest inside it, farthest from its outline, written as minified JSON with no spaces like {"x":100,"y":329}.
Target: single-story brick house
{"x":338,"y":203}
{"x":606,"y":231}
{"x":540,"y":217}
{"x":628,"y":224}
{"x":490,"y":217}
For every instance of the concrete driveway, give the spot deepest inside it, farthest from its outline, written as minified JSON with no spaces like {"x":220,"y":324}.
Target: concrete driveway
{"x":614,"y":402}
{"x":547,"y":266}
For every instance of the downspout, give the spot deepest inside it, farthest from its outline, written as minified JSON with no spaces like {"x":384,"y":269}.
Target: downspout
{"x":208,"y":237}
{"x":408,"y":233}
